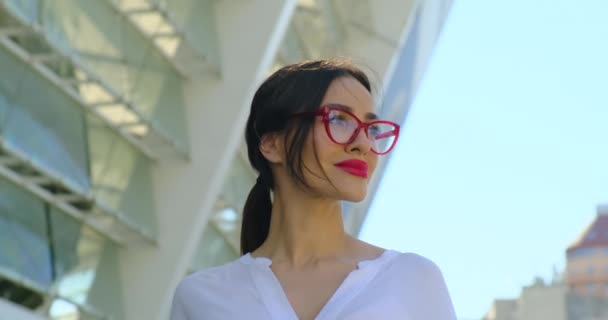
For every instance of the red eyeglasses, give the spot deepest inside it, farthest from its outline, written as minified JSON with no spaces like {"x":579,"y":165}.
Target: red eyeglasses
{"x":342,"y":127}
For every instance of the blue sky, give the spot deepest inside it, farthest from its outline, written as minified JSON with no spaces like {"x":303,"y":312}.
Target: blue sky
{"x":504,"y":155}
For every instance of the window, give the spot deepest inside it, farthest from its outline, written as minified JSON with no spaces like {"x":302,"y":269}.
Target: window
{"x":591,"y":235}
{"x":583,"y":252}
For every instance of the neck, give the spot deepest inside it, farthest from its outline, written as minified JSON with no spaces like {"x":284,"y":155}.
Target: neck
{"x":303,"y":230}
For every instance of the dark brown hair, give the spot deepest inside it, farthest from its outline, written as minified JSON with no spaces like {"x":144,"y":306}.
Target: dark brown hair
{"x":294,"y":88}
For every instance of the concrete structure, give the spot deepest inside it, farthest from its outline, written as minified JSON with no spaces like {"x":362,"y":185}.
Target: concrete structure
{"x":122,"y":166}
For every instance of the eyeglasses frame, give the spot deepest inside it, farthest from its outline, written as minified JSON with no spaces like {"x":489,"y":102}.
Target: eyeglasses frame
{"x":324,"y":112}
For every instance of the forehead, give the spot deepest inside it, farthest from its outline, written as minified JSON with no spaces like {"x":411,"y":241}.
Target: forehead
{"x":349,"y":92}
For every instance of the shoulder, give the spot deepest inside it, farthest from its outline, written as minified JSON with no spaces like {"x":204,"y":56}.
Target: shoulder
{"x":415,"y":262}
{"x":210,"y":279}
{"x":206,"y":291}
{"x":420,"y":282}
{"x":414,"y":269}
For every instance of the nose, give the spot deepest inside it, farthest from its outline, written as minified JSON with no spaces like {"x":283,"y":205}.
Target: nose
{"x":362,"y":142}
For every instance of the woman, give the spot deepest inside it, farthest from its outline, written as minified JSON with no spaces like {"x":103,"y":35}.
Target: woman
{"x":315,"y":141}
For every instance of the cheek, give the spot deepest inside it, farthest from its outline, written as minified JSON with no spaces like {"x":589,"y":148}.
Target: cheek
{"x":324,"y":146}
{"x":315,"y":148}
{"x":328,"y":151}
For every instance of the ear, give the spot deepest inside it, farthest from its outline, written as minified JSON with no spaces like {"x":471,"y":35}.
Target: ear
{"x":271,"y":147}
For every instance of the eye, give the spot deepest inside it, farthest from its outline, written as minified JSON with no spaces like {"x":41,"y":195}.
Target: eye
{"x":374,"y":130}
{"x":337,"y":118}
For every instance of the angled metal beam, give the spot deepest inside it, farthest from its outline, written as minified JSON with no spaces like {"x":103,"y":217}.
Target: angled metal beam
{"x":131,"y":14}
{"x":67,"y":86}
{"x":12,"y":31}
{"x":333,"y":22}
{"x":301,"y":41}
{"x":111,"y":223}
{"x":139,"y":11}
{"x":49,"y":294}
{"x":39,"y":180}
{"x":44,"y":57}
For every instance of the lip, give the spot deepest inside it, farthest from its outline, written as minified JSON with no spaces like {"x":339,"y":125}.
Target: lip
{"x":354,"y":166}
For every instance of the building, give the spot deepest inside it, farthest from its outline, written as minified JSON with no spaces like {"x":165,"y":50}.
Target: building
{"x":538,"y":301}
{"x":554,"y":301}
{"x":122,"y":166}
{"x":587,"y":258}
{"x":579,"y":294}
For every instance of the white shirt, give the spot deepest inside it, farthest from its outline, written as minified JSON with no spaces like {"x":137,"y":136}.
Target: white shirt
{"x":393,"y":286}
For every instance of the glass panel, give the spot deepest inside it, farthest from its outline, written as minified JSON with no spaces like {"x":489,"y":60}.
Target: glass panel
{"x":213,"y":250}
{"x":66,"y":265}
{"x":238,"y":183}
{"x":64,"y":310}
{"x":109,"y":44}
{"x":77,"y":250}
{"x":23,"y":235}
{"x":47,"y":127}
{"x":228,"y":221}
{"x":583,"y":252}
{"x":26,"y":9}
{"x":398,"y":95}
{"x":61,"y":309}
{"x":198,"y":21}
{"x":121,"y":176}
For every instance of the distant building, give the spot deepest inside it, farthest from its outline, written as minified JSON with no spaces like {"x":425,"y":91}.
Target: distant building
{"x":554,"y":301}
{"x":502,"y":309}
{"x":587,"y":258}
{"x":538,"y":301}
{"x":580,"y":294}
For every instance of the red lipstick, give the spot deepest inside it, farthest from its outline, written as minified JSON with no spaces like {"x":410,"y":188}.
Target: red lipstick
{"x":353,"y":166}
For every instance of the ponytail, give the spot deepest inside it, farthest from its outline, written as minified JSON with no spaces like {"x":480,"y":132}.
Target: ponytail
{"x":256,"y":216}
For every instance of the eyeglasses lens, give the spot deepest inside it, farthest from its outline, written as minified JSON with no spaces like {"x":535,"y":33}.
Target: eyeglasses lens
{"x":342,"y":126}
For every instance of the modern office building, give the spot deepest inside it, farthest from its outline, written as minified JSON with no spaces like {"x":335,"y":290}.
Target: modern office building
{"x":122,"y":164}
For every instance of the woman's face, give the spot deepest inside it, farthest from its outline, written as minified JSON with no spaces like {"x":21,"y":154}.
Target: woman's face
{"x":342,"y":171}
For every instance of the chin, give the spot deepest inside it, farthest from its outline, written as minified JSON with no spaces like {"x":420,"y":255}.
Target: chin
{"x":352,"y":195}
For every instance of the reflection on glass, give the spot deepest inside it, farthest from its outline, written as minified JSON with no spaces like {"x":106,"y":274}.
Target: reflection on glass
{"x":23,"y":236}
{"x":77,"y":250}
{"x":45,"y":251}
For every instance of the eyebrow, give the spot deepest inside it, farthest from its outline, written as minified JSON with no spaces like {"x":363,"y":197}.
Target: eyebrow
{"x":368,"y":116}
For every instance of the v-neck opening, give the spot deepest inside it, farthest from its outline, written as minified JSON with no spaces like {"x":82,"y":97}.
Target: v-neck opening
{"x":278,"y":304}
{"x":248,"y":258}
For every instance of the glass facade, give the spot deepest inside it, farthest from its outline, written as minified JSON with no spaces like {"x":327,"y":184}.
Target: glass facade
{"x":46,"y":254}
{"x":89,"y":102}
